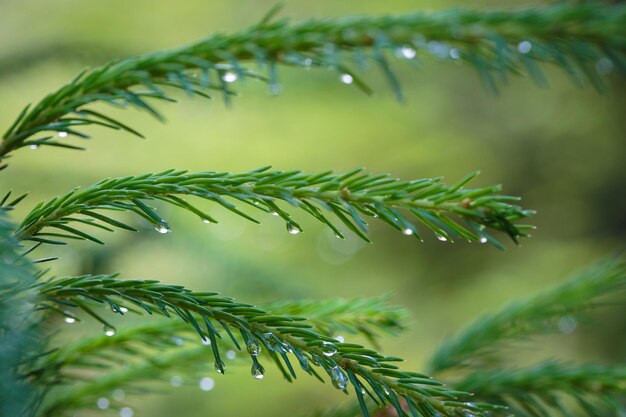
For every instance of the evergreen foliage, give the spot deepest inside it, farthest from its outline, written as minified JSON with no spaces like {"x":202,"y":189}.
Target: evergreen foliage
{"x":39,"y":378}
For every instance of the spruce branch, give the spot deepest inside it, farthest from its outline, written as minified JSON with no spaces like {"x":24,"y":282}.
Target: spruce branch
{"x":551,"y":388}
{"x":365,"y":316}
{"x":20,"y":327}
{"x":346,"y":363}
{"x":350,"y":197}
{"x":476,"y":345}
{"x":586,"y":40}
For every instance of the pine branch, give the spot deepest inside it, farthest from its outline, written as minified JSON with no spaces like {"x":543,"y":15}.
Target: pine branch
{"x":477,"y":345}
{"x":586,"y":40}
{"x":554,"y":389}
{"x":350,"y":197}
{"x":346,"y":364}
{"x":361,"y":315}
{"x":365,"y":316}
{"x":20,"y":337}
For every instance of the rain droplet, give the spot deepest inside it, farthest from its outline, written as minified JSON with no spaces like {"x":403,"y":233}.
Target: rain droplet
{"x":33,"y":146}
{"x":229,"y":77}
{"x":123,"y":309}
{"x":340,"y":339}
{"x":207,"y":383}
{"x":126,"y":412}
{"x":206,"y":342}
{"x":328,"y":349}
{"x":69,"y":318}
{"x":455,"y":54}
{"x":103,"y":403}
{"x":346,"y":78}
{"x":178,"y":341}
{"x":293,"y":229}
{"x":108,"y":330}
{"x":118,"y":394}
{"x":408,"y":231}
{"x":219,"y":366}
{"x":231,"y":354}
{"x":567,"y":324}
{"x":604,"y":66}
{"x":162,"y":229}
{"x":524,"y":47}
{"x":205,"y":221}
{"x":257,"y":371}
{"x":408,"y":52}
{"x":176,"y":381}
{"x":253,"y":346}
{"x":441,"y":237}
{"x":308,"y":62}
{"x":340,"y":380}
{"x":483,"y":239}
{"x":62,"y":134}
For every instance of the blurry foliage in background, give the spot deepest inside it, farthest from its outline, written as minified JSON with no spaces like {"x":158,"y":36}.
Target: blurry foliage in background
{"x":561,"y":148}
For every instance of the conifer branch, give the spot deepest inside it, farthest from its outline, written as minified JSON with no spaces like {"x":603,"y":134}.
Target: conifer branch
{"x":476,"y":346}
{"x":350,"y":197}
{"x":552,"y":388}
{"x":586,"y":40}
{"x":20,"y":333}
{"x":346,"y":363}
{"x":365,"y":316}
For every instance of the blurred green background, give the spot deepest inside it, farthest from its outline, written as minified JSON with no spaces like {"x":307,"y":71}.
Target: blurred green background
{"x":561,"y":148}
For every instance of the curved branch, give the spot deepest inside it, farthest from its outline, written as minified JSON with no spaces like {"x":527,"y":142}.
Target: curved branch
{"x":476,"y":345}
{"x":583,"y":39}
{"x":350,"y":197}
{"x":346,"y":364}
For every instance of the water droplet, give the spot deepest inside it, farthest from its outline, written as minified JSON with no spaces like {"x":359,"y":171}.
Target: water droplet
{"x":33,"y":146}
{"x":118,"y":394}
{"x":229,"y":77}
{"x":206,"y":342}
{"x":340,"y":339}
{"x":339,"y":378}
{"x":483,"y":239}
{"x":604,"y":66}
{"x":328,"y":349}
{"x":103,"y":403}
{"x":207,"y":383}
{"x":408,"y":231}
{"x":253,"y":346}
{"x":524,"y":47}
{"x":275,"y":89}
{"x":123,"y":309}
{"x":567,"y":324}
{"x":69,"y":317}
{"x":219,"y":366}
{"x":108,"y":330}
{"x":408,"y":52}
{"x":176,"y":381}
{"x":386,"y":390}
{"x":62,"y":134}
{"x":346,"y":78}
{"x":273,"y":213}
{"x":205,"y":221}
{"x":293,"y":229}
{"x":455,"y":54}
{"x":126,"y":412}
{"x":441,"y":237}
{"x":161,"y":228}
{"x":438,"y":49}
{"x":257,"y":371}
{"x":231,"y":354}
{"x":308,"y":62}
{"x":178,"y":341}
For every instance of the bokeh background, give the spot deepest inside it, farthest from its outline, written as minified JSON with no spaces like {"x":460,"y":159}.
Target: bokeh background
{"x":561,"y":148}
